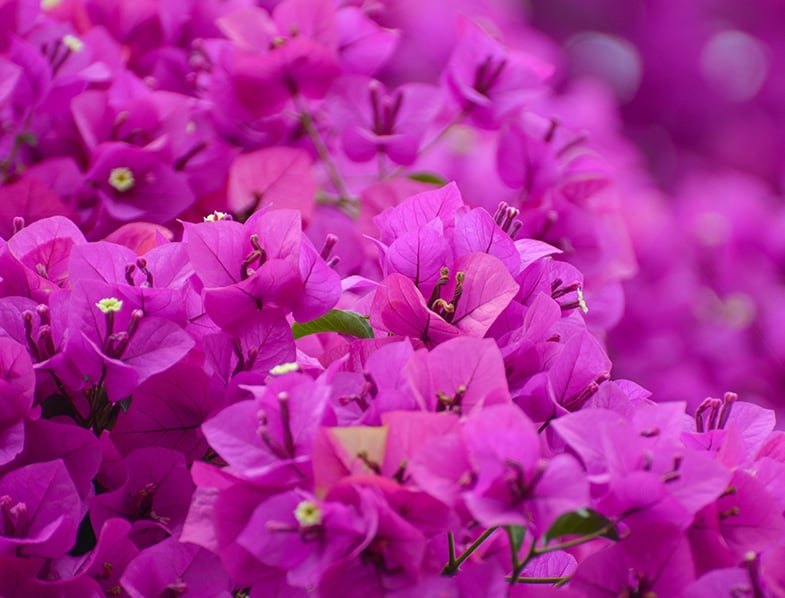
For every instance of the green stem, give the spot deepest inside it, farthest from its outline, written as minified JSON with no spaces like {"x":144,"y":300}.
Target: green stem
{"x":517,"y":566}
{"x":558,"y":580}
{"x":576,"y":542}
{"x":324,"y":154}
{"x":451,"y":568}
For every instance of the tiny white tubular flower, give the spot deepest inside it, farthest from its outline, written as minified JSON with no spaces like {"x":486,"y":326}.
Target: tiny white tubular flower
{"x":73,"y":43}
{"x":121,"y":178}
{"x":581,"y":301}
{"x":216,"y":216}
{"x":109,"y":305}
{"x":308,"y":514}
{"x":284,"y":368}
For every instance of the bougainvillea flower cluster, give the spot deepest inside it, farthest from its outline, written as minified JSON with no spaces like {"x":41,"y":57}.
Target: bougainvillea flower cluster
{"x":286,"y":311}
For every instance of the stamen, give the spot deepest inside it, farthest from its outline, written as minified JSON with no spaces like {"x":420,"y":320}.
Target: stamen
{"x":115,"y":344}
{"x":460,"y":277}
{"x":263,"y":432}
{"x":136,"y":317}
{"x":551,"y":130}
{"x":27,"y":320}
{"x":647,"y":460}
{"x":560,"y":292}
{"x":46,"y":343}
{"x":568,"y":146}
{"x":257,"y":255}
{"x":727,"y":405}
{"x":485,"y":78}
{"x":732,"y":512}
{"x":107,"y":571}
{"x":373,"y":91}
{"x":288,"y":438}
{"x":674,"y":474}
{"x":400,"y":473}
{"x":509,"y":215}
{"x":705,"y":404}
{"x":43,"y":314}
{"x":501,"y":210}
{"x":183,"y":160}
{"x":714,"y":413}
{"x":119,"y":342}
{"x":238,"y":351}
{"x":18,"y":224}
{"x":142,"y":264}
{"x":253,"y":353}
{"x":729,"y":491}
{"x":16,"y":518}
{"x":129,"y":272}
{"x":751,"y":563}
{"x":344,"y":400}
{"x":441,"y":307}
{"x":444,"y":278}
{"x":141,"y":503}
{"x":392,"y":113}
{"x":577,"y":400}
{"x":329,"y":243}
{"x":372,"y":465}
{"x":370,"y":385}
{"x":450,"y":404}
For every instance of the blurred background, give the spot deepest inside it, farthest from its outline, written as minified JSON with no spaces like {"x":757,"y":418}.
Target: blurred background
{"x":699,"y":91}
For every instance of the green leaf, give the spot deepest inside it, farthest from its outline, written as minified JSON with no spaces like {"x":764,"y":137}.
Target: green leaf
{"x":516,"y":534}
{"x":335,"y":320}
{"x":583,"y":522}
{"x":428,"y":177}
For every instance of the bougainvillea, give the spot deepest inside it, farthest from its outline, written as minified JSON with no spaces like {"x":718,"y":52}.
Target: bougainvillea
{"x":286,"y":310}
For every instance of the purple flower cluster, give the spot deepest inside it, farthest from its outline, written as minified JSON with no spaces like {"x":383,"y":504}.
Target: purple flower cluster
{"x":254,"y":343}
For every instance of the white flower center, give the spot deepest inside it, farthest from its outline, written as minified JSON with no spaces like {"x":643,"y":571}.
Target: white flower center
{"x":109,"y":304}
{"x":284,"y":368}
{"x":73,"y":43}
{"x":121,"y":178}
{"x":216,"y":216}
{"x":308,"y":514}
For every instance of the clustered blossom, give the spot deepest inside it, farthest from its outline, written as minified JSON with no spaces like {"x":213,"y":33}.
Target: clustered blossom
{"x":264,"y":333}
